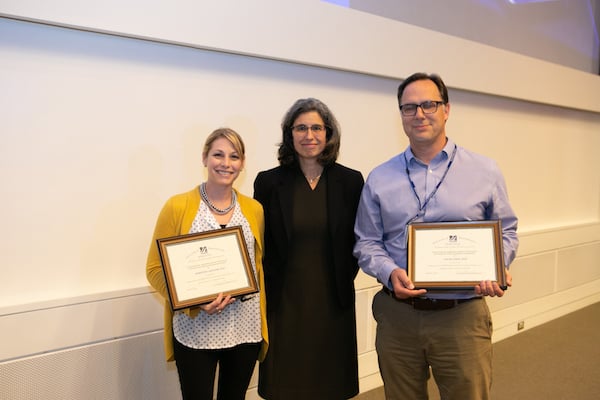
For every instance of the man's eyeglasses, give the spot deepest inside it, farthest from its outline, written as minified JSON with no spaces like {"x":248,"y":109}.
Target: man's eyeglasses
{"x":304,"y":128}
{"x":428,"y":107}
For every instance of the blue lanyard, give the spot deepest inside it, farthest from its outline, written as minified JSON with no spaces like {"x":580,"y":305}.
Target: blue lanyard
{"x":412,"y":184}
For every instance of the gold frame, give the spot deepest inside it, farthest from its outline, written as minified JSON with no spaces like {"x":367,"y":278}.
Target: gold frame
{"x":190,"y":261}
{"x":454,"y":231}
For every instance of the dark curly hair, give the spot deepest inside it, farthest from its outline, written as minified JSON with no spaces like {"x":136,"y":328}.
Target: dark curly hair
{"x":287,"y":155}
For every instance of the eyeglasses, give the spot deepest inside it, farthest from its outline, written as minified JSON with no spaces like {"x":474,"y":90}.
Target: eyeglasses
{"x":428,"y":107}
{"x":304,"y":128}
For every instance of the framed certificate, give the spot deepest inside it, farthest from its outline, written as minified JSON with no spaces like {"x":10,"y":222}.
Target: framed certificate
{"x":455,"y":255}
{"x":199,"y":266}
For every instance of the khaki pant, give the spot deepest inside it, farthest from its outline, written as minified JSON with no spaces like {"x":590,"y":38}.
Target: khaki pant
{"x":455,"y":343}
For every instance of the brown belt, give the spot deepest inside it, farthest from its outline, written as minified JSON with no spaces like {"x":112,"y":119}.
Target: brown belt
{"x":423,"y":303}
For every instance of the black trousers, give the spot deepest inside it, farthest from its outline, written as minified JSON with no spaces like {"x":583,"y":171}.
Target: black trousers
{"x":197,"y":369}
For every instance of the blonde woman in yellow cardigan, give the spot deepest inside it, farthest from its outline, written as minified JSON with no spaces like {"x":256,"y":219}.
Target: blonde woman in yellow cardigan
{"x":228,"y":332}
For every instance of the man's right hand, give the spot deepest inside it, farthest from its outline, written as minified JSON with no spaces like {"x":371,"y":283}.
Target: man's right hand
{"x":403,"y":286}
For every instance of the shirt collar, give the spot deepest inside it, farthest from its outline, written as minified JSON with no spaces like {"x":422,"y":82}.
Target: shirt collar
{"x":446,"y":151}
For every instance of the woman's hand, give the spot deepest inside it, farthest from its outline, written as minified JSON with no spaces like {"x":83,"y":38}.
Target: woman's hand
{"x":218,"y":305}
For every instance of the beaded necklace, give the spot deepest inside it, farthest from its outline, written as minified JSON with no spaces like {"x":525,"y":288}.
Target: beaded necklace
{"x":220,"y":211}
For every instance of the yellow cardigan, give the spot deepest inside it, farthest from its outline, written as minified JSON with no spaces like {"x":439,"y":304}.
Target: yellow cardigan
{"x":176,"y":218}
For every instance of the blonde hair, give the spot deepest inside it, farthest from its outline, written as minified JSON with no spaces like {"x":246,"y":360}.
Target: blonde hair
{"x":229,"y":134}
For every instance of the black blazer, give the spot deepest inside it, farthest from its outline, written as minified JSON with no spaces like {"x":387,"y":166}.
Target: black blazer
{"x":274,"y":190}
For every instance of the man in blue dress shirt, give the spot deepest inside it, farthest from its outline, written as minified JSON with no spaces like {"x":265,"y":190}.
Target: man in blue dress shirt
{"x":433,"y":180}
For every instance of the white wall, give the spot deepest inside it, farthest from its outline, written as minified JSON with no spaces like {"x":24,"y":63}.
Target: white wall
{"x":319,"y":33}
{"x":98,"y":130}
{"x":564,"y":32}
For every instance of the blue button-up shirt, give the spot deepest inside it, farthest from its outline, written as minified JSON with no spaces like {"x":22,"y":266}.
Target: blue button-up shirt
{"x":465,"y":186}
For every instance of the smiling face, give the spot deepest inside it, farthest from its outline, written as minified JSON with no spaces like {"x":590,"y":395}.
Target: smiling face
{"x":309,"y":143}
{"x":223,"y":162}
{"x":425,"y":129}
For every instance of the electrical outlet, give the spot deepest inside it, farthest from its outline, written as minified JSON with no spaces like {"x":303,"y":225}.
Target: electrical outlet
{"x":520,"y":325}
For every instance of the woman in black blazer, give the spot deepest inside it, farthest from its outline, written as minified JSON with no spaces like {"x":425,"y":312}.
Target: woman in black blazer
{"x":310,"y":204}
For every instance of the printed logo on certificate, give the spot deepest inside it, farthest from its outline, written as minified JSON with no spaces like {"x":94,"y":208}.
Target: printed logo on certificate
{"x":455,"y":255}
{"x":199,"y":266}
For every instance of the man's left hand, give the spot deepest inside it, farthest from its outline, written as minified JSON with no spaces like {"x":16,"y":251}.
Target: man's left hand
{"x":491,"y":288}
